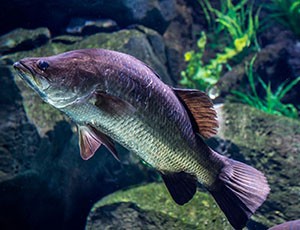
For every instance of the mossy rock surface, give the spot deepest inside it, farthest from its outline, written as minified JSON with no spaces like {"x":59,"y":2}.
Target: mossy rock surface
{"x":200,"y":213}
{"x":21,"y":39}
{"x":271,"y":144}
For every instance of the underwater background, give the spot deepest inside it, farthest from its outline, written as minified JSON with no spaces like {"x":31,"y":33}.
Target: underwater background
{"x":244,"y":54}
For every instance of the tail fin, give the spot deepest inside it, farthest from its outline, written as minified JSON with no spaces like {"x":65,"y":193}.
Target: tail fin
{"x":240,"y":191}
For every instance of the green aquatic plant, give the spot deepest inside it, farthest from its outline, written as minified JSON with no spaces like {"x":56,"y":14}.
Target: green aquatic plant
{"x":197,"y":74}
{"x":239,"y":26}
{"x":271,"y":103}
{"x":238,"y":21}
{"x":287,"y":12}
{"x":201,"y":75}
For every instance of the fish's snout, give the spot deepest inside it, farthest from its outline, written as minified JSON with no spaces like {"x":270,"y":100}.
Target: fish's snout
{"x":19,"y":66}
{"x":16,"y":65}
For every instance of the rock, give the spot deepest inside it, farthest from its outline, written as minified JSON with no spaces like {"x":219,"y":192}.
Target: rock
{"x":129,"y":216}
{"x":157,"y":43}
{"x":66,"y":39}
{"x":179,"y":38}
{"x":294,"y":59}
{"x":271,"y":144}
{"x":272,"y":64}
{"x":82,"y":26}
{"x":154,"y":202}
{"x":27,"y":203}
{"x":22,"y":39}
{"x":155,"y":14}
{"x":18,"y":138}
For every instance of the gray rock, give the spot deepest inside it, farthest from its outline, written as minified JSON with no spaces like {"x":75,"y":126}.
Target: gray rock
{"x":155,"y":14}
{"x":157,"y":43}
{"x":22,"y":39}
{"x":294,"y":59}
{"x":179,"y":38}
{"x":272,"y":63}
{"x":18,"y":137}
{"x":66,"y":39}
{"x":271,"y":144}
{"x":151,"y":207}
{"x":122,"y":216}
{"x":82,"y":26}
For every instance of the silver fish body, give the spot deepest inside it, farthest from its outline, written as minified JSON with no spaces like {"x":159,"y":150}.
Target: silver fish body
{"x":153,"y":129}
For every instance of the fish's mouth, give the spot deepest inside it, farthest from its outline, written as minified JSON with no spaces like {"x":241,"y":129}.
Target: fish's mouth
{"x":26,"y":73}
{"x":29,"y":76}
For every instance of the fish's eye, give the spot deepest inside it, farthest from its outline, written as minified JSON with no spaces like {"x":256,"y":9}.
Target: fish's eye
{"x":42,"y":65}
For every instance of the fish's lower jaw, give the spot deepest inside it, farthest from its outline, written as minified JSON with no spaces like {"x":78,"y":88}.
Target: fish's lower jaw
{"x":63,"y":101}
{"x":58,"y":104}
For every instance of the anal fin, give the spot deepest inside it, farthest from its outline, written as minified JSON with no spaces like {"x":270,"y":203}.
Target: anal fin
{"x":182,"y":186}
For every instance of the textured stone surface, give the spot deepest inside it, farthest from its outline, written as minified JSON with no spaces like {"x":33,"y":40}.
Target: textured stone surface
{"x":272,"y":145}
{"x":155,"y":14}
{"x":154,"y":202}
{"x":18,"y":138}
{"x":180,"y":38}
{"x":83,"y":26}
{"x":22,"y":39}
{"x":276,"y":63}
{"x":129,"y":216}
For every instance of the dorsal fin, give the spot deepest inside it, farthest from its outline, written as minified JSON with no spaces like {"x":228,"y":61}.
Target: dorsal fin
{"x":201,"y":109}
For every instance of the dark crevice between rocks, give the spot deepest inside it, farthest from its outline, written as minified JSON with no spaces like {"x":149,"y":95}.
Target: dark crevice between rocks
{"x":28,"y":45}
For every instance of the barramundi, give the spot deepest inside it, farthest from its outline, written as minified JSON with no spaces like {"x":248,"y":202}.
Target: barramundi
{"x":114,"y":97}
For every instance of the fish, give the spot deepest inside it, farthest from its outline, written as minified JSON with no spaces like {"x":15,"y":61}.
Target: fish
{"x":113,"y":97}
{"x":289,"y":225}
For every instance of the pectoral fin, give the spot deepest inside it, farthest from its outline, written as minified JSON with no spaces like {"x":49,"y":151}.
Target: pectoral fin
{"x":201,"y":110}
{"x":182,"y":186}
{"x":91,"y":139}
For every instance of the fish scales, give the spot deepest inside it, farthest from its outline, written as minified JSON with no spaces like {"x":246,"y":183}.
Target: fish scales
{"x":163,"y":150}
